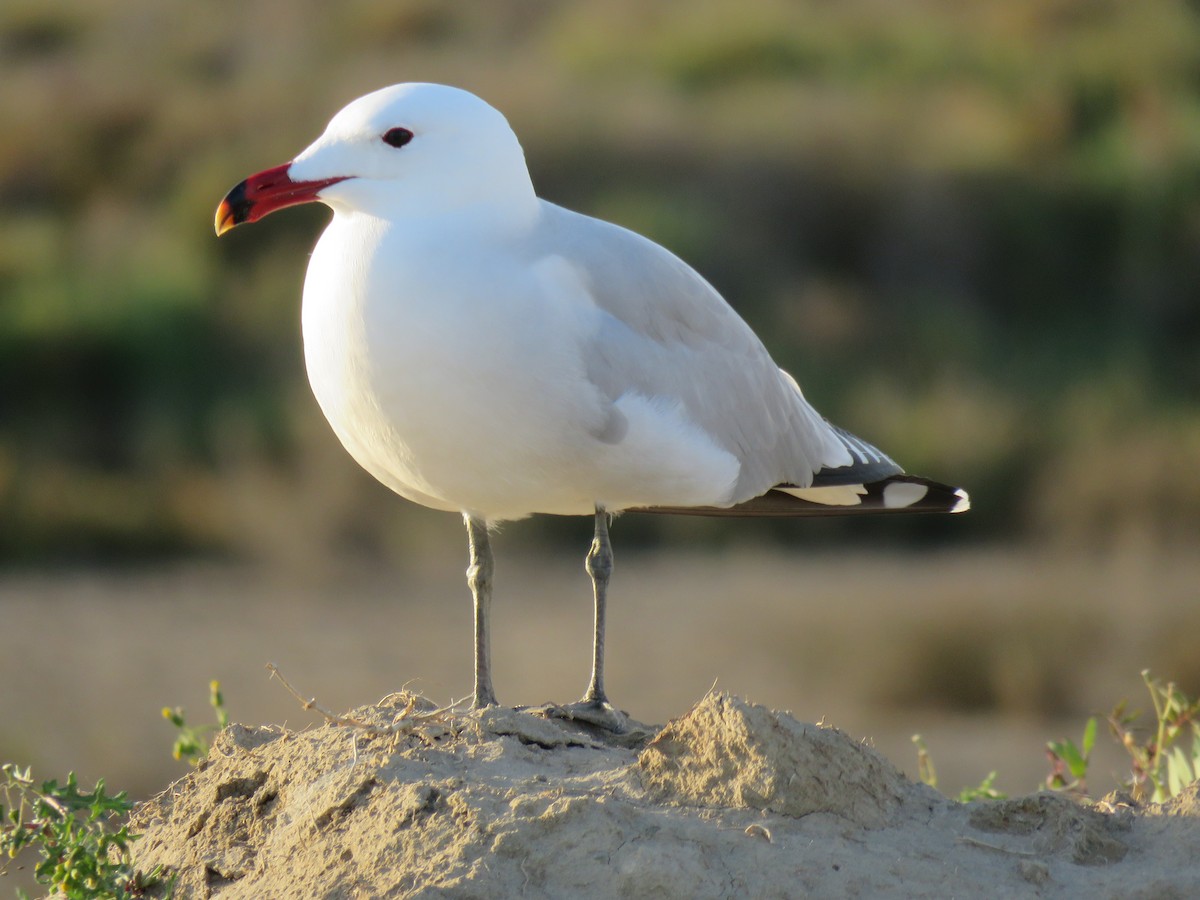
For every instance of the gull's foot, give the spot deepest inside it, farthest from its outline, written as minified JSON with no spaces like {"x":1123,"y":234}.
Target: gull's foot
{"x":599,"y":719}
{"x":598,"y":713}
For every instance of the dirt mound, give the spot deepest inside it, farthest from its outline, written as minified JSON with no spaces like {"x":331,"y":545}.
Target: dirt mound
{"x":731,"y":800}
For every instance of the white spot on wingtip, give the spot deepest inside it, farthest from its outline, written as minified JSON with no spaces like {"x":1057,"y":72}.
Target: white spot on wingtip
{"x":902,"y":494}
{"x":837,"y":495}
{"x":964,"y":502}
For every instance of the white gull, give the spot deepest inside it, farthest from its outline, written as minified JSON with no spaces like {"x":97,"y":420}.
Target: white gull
{"x":481,"y":350}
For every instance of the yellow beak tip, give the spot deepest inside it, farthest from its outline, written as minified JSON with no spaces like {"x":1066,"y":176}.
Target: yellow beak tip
{"x":224,"y":219}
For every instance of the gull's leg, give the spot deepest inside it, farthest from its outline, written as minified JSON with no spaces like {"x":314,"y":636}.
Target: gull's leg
{"x":479,"y":578}
{"x":594,"y":708}
{"x":599,"y":565}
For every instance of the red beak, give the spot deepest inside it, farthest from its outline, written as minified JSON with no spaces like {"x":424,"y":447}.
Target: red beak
{"x":264,"y":193}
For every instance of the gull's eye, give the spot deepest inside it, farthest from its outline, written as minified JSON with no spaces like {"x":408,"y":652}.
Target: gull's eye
{"x":397,"y":137}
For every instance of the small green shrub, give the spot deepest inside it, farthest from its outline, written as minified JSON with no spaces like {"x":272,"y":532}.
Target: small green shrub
{"x":1165,"y":760}
{"x":1069,"y":763}
{"x":927,"y":772}
{"x":1168,"y":760}
{"x":192,"y":742}
{"x":83,"y":840}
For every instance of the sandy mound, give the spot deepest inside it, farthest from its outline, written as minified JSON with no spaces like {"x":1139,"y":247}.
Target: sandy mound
{"x":731,"y":800}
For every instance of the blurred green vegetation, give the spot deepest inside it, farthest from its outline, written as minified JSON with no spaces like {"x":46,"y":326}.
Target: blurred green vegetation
{"x":972,"y":231}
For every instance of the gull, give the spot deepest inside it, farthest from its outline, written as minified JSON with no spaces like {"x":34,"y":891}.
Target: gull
{"x":483,"y":351}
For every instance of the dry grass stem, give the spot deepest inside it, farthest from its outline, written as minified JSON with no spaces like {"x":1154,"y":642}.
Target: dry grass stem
{"x":408,"y":719}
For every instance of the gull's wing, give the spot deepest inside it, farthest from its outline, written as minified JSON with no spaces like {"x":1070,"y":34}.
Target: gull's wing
{"x":662,"y":331}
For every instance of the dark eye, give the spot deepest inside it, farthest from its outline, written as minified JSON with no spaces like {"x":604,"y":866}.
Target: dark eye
{"x":397,"y":137}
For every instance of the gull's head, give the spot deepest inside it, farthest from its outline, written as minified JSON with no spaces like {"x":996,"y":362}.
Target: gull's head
{"x":409,"y":149}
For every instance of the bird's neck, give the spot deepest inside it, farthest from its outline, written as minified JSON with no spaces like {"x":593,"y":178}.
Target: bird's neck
{"x":487,"y":217}
{"x":509,"y":202}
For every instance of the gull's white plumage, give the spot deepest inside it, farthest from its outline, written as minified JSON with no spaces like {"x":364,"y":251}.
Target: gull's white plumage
{"x":481,"y":350}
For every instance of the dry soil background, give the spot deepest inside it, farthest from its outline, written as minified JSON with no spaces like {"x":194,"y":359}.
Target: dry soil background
{"x":730,"y":800}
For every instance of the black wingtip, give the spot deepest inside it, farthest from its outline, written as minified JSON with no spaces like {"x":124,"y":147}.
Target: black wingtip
{"x":895,"y":494}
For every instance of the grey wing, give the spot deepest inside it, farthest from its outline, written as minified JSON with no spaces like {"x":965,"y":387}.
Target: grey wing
{"x":663,"y":331}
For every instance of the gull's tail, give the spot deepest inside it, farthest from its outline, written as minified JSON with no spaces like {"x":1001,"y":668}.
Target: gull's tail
{"x":872,"y":484}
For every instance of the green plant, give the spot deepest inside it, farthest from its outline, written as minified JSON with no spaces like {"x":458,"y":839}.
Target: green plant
{"x":927,"y":772}
{"x":1069,"y":763}
{"x":985,"y":790}
{"x":192,"y":741}
{"x":81,"y":836}
{"x":1165,"y":762}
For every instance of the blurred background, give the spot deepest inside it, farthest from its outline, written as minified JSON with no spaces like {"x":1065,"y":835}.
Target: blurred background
{"x":972,"y":232}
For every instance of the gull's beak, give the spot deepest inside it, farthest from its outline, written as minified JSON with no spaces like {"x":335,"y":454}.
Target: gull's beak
{"x":264,"y":193}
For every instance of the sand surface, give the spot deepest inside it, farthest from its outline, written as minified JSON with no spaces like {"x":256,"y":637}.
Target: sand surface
{"x":729,"y":800}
